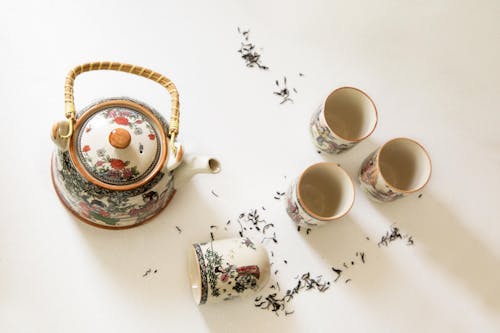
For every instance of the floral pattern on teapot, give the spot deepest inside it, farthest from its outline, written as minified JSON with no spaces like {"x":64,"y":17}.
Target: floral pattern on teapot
{"x":110,"y":168}
{"x":118,"y":166}
{"x":105,"y":207}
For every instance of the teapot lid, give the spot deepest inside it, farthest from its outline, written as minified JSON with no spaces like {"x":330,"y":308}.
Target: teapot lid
{"x":119,"y":144}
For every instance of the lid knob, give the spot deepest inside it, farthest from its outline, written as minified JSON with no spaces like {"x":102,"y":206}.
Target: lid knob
{"x":119,"y":138}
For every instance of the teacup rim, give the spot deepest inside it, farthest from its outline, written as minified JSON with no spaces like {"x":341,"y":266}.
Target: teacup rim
{"x":388,"y":183}
{"x":357,"y":140}
{"x":314,"y":215}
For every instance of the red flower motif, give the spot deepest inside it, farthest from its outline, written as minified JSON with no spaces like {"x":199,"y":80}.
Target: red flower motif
{"x":99,"y":163}
{"x":224,"y":277}
{"x":151,"y":136}
{"x":117,"y":164}
{"x":86,"y":148}
{"x":84,"y":208}
{"x":138,"y":121}
{"x":121,"y":121}
{"x":249,"y":270}
{"x":127,"y":173}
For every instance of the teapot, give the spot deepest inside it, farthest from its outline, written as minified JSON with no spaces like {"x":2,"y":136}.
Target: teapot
{"x":117,"y":163}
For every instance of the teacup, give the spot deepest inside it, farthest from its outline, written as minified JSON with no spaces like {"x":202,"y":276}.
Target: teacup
{"x":346,"y":117}
{"x":224,"y":269}
{"x":399,"y":167}
{"x":324,"y":192}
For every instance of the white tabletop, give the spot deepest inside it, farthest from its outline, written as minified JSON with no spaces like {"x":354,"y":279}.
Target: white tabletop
{"x":432,"y":68}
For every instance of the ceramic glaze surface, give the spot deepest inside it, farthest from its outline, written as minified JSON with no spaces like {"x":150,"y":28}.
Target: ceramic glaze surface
{"x":227,"y":269}
{"x":372,"y":182}
{"x":99,"y":205}
{"x":109,"y":208}
{"x":346,"y":117}
{"x":113,"y":165}
{"x":323,"y":136}
{"x":323,"y":193}
{"x":410,"y":165}
{"x":295,"y":210}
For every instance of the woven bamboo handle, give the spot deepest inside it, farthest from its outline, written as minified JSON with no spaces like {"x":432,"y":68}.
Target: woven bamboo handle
{"x":127,"y":68}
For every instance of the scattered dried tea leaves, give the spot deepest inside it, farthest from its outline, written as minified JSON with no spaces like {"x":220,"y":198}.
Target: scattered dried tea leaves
{"x":392,"y":235}
{"x":338,"y":271}
{"x":279,"y":304}
{"x":178,"y":229}
{"x":248,"y":51}
{"x":146,"y":273}
{"x":214,"y":194}
{"x":278,"y":195}
{"x":283,"y":91}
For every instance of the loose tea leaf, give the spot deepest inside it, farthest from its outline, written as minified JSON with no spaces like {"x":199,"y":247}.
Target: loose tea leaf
{"x":178,"y":229}
{"x":248,"y":52}
{"x":279,"y":304}
{"x":283,"y":91}
{"x":392,"y":235}
{"x":338,"y":271}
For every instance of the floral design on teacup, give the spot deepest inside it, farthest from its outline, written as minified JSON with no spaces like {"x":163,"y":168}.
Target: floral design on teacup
{"x":398,"y":168}
{"x":220,"y":278}
{"x":371,"y":183}
{"x":295,"y":210}
{"x":323,"y":137}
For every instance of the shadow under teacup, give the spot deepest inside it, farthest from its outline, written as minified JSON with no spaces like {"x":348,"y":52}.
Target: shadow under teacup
{"x":224,"y":269}
{"x":345,"y":118}
{"x":398,"y":168}
{"x":324,"y":192}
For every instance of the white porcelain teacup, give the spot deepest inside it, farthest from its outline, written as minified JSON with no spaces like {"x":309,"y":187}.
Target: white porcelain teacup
{"x":324,"y":192}
{"x":346,"y":117}
{"x":224,"y":269}
{"x":399,"y":167}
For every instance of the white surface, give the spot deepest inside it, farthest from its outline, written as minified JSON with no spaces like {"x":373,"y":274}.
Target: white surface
{"x":432,"y":69}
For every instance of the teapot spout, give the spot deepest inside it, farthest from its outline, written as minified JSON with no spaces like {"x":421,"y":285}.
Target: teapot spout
{"x":192,"y":165}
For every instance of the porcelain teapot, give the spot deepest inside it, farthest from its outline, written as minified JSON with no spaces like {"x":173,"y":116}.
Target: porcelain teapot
{"x":117,"y":163}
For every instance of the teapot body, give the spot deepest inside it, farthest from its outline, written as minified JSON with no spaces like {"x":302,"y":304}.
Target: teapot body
{"x":108,"y":207}
{"x":117,"y":163}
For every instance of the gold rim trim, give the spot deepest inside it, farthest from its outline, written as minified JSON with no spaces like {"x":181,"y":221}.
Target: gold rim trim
{"x":127,"y":104}
{"x":371,"y":101}
{"x":308,"y":211}
{"x":394,"y":187}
